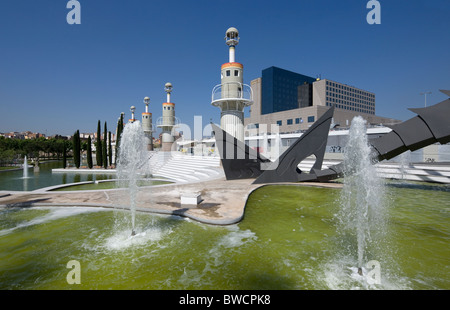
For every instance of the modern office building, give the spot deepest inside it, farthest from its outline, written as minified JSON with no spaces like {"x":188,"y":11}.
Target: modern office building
{"x":294,"y":102}
{"x":345,"y":97}
{"x":281,"y":90}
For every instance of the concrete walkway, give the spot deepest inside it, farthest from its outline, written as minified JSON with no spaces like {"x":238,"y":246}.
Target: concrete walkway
{"x":223,"y":202}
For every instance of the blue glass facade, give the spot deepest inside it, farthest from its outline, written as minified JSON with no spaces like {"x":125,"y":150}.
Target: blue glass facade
{"x":279,"y":89}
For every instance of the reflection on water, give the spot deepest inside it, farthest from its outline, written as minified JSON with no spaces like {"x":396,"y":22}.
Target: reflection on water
{"x":14,"y":181}
{"x":420,"y":185}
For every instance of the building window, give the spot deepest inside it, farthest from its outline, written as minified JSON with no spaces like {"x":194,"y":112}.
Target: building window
{"x":279,"y":123}
{"x":289,"y":121}
{"x":310,"y":119}
{"x":228,"y":73}
{"x":236,"y":73}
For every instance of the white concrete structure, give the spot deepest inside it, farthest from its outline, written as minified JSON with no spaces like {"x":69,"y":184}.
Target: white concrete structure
{"x":147,"y":125}
{"x":187,"y":168}
{"x":190,"y":198}
{"x":168,"y":121}
{"x":232,"y":95}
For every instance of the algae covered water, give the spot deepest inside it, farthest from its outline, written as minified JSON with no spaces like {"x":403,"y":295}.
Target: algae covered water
{"x":13,"y":180}
{"x":288,"y":239}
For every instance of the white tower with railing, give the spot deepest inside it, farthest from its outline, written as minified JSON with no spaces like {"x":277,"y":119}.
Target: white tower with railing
{"x":167,"y":121}
{"x":147,"y":125}
{"x":232,"y":95}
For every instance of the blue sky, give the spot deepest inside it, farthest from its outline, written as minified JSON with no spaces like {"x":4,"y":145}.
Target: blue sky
{"x":56,"y":78}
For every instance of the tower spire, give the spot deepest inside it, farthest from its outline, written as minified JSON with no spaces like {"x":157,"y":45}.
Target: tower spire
{"x":232,"y":39}
{"x":232,"y":95}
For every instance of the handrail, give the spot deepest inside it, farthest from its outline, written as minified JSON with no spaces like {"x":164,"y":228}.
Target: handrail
{"x":173,"y":120}
{"x":233,"y":91}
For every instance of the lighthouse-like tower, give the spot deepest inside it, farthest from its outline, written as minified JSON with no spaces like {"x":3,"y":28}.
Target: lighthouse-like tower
{"x":232,"y":95}
{"x":132,"y":109}
{"x":167,"y":121}
{"x":147,"y":125}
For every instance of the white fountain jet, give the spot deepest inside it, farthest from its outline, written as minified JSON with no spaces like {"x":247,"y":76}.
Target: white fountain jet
{"x":131,"y":158}
{"x":363,"y":207}
{"x":25,"y":167}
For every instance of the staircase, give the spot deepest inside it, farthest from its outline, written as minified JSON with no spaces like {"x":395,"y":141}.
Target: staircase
{"x":185,"y":168}
{"x":427,"y":172}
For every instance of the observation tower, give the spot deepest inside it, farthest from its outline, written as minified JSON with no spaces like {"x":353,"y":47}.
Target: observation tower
{"x":232,"y":95}
{"x":167,"y":121}
{"x":147,"y":125}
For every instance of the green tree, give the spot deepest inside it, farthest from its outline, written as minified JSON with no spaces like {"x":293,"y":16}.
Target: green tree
{"x":89,"y":153}
{"x":76,"y":149}
{"x":44,"y":145}
{"x":104,"y":145}
{"x":110,"y":148}
{"x":119,"y":135}
{"x":64,"y":156}
{"x":59,"y":147}
{"x":98,"y":147}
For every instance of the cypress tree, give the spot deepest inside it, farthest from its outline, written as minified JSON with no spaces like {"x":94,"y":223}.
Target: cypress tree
{"x":64,"y":155}
{"x":79,"y":148}
{"x":89,"y":153}
{"x":119,"y":135}
{"x":110,"y":148}
{"x":104,"y":145}
{"x":76,"y":149}
{"x":98,"y":147}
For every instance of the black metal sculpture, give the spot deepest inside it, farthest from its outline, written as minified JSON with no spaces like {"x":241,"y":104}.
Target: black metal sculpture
{"x":240,"y":161}
{"x":312,"y":142}
{"x":430,"y":126}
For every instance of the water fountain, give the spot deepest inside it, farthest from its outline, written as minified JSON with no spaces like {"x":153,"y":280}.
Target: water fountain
{"x":292,"y":237}
{"x":405,"y":159}
{"x":130,"y":159}
{"x":25,"y":167}
{"x":288,"y":240}
{"x":363,"y":206}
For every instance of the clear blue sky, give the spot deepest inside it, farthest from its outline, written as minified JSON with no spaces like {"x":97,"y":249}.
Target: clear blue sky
{"x":56,"y":78}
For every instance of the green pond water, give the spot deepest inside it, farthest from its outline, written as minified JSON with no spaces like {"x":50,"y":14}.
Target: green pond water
{"x":14,"y":181}
{"x":288,"y":239}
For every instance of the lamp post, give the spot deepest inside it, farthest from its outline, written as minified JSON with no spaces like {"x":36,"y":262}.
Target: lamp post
{"x":425,"y":93}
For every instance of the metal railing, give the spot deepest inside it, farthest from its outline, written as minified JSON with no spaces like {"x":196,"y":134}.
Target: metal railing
{"x":232,"y":91}
{"x":167,"y":121}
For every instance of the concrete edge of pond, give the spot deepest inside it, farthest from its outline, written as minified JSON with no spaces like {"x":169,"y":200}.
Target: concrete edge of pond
{"x":222,"y":202}
{"x":59,"y":187}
